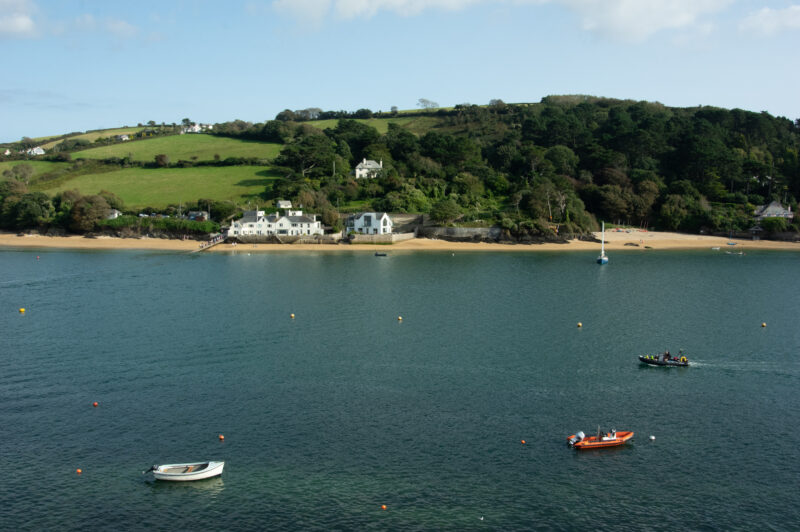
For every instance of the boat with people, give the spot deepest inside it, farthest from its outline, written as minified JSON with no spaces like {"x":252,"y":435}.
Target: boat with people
{"x":600,"y":440}
{"x":665,"y":359}
{"x":186,"y":472}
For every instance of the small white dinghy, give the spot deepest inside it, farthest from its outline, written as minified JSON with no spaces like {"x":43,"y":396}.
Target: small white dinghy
{"x":186,"y":472}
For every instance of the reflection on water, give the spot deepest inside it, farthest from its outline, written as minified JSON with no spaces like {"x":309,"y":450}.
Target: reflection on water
{"x":211,"y":486}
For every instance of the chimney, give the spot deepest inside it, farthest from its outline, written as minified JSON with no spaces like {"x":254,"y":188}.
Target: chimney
{"x":364,"y":161}
{"x":381,"y":163}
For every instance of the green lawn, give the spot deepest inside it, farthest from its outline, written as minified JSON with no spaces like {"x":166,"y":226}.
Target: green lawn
{"x":416,"y":124}
{"x":183,"y":147}
{"x":39,"y":167}
{"x":157,"y":188}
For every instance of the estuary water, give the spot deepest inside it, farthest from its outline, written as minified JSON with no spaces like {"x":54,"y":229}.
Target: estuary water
{"x":342,"y":409}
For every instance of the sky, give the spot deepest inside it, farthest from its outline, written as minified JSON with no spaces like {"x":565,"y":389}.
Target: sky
{"x":77,"y":65}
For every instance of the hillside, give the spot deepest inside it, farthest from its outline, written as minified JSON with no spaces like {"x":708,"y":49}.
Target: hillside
{"x":561,"y":164}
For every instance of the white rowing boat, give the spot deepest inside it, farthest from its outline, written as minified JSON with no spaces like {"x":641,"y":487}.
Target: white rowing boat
{"x":185,"y":472}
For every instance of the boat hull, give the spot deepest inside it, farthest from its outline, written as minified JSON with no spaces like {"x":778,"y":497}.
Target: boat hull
{"x":680,"y":363}
{"x":592,"y":442}
{"x":188,"y":472}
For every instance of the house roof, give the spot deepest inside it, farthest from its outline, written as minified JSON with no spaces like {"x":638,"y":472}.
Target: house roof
{"x":377,"y":215}
{"x":773,"y":209}
{"x":369,"y":165}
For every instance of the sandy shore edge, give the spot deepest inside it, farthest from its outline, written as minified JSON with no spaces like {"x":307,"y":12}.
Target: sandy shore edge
{"x":643,"y":240}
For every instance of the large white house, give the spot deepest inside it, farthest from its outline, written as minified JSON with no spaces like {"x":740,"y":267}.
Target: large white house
{"x":369,"y":223}
{"x":293,"y":223}
{"x":773,"y":210}
{"x":368,"y":169}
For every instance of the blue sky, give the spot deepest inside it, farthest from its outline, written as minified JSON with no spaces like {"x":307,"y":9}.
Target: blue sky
{"x":75,"y":65}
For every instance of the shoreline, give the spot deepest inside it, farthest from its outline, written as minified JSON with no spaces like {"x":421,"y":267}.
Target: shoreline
{"x":615,"y":241}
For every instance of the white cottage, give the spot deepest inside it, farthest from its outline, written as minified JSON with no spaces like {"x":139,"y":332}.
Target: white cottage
{"x":293,"y":223}
{"x":369,"y":223}
{"x":38,"y":150}
{"x":368,"y":169}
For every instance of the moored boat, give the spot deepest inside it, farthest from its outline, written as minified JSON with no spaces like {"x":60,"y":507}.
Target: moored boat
{"x":186,"y":472}
{"x":600,"y":440}
{"x":664,"y":359}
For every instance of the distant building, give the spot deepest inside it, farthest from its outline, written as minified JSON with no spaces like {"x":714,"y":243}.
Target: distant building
{"x":293,"y":223}
{"x":368,"y":169}
{"x":38,"y":150}
{"x":369,"y":223}
{"x":285,"y":204}
{"x":773,"y":210}
{"x":7,"y":152}
{"x":122,"y":137}
{"x":113,"y":214}
{"x":198,"y":216}
{"x":197,"y":128}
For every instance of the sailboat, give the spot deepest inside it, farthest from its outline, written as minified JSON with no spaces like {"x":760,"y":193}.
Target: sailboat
{"x":603,"y":258}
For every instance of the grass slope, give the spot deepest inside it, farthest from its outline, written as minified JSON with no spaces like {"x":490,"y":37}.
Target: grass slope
{"x":157,"y":188}
{"x":94,"y":135}
{"x":39,"y":167}
{"x":183,"y":147}
{"x":418,"y":125}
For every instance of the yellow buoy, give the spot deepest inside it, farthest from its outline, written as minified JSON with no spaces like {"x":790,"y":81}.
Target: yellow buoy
{"x":580,"y":324}
{"x":399,"y":318}
{"x":291,"y":316}
{"x":763,"y":324}
{"x":22,"y":311}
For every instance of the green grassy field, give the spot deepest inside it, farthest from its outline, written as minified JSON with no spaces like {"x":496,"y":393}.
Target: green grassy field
{"x":183,"y":147}
{"x":39,"y":167}
{"x":94,"y":135}
{"x":157,"y":188}
{"x":416,"y":124}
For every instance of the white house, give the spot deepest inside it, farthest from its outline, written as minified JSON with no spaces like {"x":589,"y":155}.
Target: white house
{"x":7,"y":152}
{"x":773,"y":210}
{"x":368,"y":169}
{"x":38,"y":150}
{"x":369,"y":223}
{"x":285,"y":204}
{"x":113,"y":214}
{"x":122,"y":137}
{"x":293,"y":223}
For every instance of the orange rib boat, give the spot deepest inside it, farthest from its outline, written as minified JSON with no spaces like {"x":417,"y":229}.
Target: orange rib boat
{"x":601,"y":440}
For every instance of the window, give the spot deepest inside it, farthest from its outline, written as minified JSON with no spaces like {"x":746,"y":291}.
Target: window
{"x":367,"y":221}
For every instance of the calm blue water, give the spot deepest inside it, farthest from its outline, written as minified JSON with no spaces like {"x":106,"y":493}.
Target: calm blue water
{"x":330,"y":415}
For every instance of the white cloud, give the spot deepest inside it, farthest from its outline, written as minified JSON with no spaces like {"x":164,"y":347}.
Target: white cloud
{"x":120,"y":28}
{"x":623,"y":20}
{"x":16,"y":18}
{"x":771,"y":21}
{"x":636,"y":20}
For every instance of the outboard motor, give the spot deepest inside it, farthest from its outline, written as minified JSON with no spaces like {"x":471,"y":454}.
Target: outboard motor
{"x":576,"y":438}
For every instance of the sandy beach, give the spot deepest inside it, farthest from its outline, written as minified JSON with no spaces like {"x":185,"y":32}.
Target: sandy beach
{"x":615,"y":240}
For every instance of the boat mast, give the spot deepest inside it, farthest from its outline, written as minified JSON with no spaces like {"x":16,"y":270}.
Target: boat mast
{"x":603,"y":241}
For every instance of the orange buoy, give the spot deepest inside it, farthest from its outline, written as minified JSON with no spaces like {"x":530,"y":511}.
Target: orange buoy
{"x":94,"y":404}
{"x":221,"y":437}
{"x":383,"y":506}
{"x":79,"y":471}
{"x":523,"y":442}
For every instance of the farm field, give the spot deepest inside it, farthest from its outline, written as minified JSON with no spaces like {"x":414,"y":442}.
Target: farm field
{"x":39,"y":167}
{"x":94,"y":135}
{"x":183,"y":147}
{"x":416,"y":124}
{"x":159,"y":187}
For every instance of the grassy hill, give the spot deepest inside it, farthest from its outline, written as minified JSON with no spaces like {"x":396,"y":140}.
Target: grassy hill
{"x":157,"y":188}
{"x":183,"y":147}
{"x":418,"y":125}
{"x":39,"y":167}
{"x":92,"y":136}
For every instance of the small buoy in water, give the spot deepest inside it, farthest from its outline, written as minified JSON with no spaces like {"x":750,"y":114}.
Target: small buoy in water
{"x":523,"y":442}
{"x":580,"y":324}
{"x":94,"y":404}
{"x":22,"y":311}
{"x":399,"y":318}
{"x":291,"y":316}
{"x":383,"y":506}
{"x":37,"y":257}
{"x":79,"y":471}
{"x":763,"y":324}
{"x":652,"y":438}
{"x":221,"y":437}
